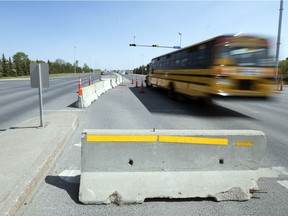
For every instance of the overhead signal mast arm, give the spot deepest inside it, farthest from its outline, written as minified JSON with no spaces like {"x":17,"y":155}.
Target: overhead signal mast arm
{"x":154,"y":45}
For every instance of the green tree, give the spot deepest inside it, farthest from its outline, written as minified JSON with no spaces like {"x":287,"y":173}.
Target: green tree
{"x":1,"y":74}
{"x":12,"y":71}
{"x":283,"y":65}
{"x":142,"y":69}
{"x":4,"y":66}
{"x":86,"y":68}
{"x":21,"y":63}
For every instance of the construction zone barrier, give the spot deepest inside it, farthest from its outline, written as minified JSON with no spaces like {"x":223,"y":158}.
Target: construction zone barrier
{"x":113,"y":82}
{"x":99,"y":88}
{"x":128,"y":166}
{"x":119,"y":79}
{"x":107,"y":85}
{"x":86,"y":95}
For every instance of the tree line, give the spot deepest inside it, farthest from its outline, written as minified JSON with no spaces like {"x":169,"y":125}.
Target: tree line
{"x":283,"y":65}
{"x":18,"y":65}
{"x":142,"y":69}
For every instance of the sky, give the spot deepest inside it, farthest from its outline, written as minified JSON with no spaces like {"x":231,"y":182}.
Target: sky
{"x":98,"y":33}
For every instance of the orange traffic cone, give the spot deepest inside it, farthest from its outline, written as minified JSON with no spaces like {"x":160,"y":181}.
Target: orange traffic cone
{"x":142,"y":87}
{"x":136,"y":86}
{"x":80,"y":93}
{"x":281,"y":86}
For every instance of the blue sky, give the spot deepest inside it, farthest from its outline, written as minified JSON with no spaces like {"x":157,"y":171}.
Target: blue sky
{"x":102,"y":30}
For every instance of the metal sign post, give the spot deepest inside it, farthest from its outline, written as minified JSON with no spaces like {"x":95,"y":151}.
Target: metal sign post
{"x":39,"y":74}
{"x":40,"y":96}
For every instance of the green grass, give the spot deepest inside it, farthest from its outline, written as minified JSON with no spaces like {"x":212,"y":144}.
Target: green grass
{"x":50,"y":75}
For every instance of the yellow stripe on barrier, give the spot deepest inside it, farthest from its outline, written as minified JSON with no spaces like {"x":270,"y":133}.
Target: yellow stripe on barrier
{"x":245,"y":144}
{"x":193,"y":140}
{"x":121,"y":138}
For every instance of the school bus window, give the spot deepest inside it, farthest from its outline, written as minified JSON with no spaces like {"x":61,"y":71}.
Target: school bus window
{"x":242,"y":56}
{"x":184,"y":62}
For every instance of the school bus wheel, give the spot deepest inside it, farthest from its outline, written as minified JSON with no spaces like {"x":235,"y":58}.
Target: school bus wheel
{"x":171,"y":92}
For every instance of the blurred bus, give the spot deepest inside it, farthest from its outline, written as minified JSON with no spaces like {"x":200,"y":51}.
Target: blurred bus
{"x":221,"y":66}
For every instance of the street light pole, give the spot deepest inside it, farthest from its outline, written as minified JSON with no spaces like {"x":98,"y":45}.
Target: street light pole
{"x":278,"y":43}
{"x":74,"y":61}
{"x":142,"y":64}
{"x":180,"y":38}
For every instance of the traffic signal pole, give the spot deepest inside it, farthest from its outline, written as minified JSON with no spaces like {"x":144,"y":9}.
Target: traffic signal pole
{"x":155,"y":46}
{"x":279,"y":77}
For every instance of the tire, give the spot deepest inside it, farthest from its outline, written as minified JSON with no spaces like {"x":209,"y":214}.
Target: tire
{"x":170,"y":91}
{"x":147,"y":85}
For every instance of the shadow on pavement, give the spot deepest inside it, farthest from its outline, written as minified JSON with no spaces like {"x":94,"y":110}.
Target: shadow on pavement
{"x":73,"y":105}
{"x":157,"y":101}
{"x":28,"y":127}
{"x":69,"y":184}
{"x":179,"y":200}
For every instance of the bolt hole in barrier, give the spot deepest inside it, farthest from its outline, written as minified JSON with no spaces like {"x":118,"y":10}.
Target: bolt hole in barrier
{"x":221,"y":161}
{"x":176,"y":164}
{"x":130,"y":162}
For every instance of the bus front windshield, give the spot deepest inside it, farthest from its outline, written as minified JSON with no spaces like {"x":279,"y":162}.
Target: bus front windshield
{"x":244,"y":56}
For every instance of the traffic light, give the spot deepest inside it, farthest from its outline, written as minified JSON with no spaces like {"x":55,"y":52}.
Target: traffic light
{"x":132,"y":44}
{"x":154,"y":45}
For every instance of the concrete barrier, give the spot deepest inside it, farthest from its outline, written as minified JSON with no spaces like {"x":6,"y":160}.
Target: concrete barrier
{"x":88,"y":96}
{"x":92,"y":92}
{"x":119,"y":79}
{"x":99,"y":88}
{"x":126,"y":166}
{"x":113,"y":82}
{"x":107,"y":85}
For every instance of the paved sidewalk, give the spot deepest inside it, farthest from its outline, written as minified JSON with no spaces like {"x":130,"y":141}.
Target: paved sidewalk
{"x":26,"y":154}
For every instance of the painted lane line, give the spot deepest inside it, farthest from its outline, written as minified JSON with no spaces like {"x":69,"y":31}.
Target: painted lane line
{"x":284,"y":183}
{"x":74,"y":110}
{"x":71,"y":176}
{"x":273,"y":172}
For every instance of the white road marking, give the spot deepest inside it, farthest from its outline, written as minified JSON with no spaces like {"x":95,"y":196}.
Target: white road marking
{"x":284,"y":183}
{"x":273,"y":172}
{"x":70,"y":176}
{"x":282,"y":170}
{"x":74,"y":110}
{"x":267,"y":173}
{"x":77,"y":145}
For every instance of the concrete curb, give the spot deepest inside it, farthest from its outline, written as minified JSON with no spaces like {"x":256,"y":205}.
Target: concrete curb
{"x":28,"y":183}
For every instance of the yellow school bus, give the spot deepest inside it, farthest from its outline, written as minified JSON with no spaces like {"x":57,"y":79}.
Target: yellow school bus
{"x":222,"y":66}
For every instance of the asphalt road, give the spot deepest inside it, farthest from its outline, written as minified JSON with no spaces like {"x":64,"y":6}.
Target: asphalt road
{"x":20,"y":102}
{"x":125,"y":108}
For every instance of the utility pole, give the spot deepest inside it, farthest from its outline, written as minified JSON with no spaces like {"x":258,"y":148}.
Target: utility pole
{"x":180,"y":38}
{"x":74,"y":61}
{"x":279,"y":79}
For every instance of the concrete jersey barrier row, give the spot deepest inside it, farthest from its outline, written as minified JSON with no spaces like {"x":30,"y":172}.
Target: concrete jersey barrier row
{"x":125,"y":166}
{"x":92,"y":92}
